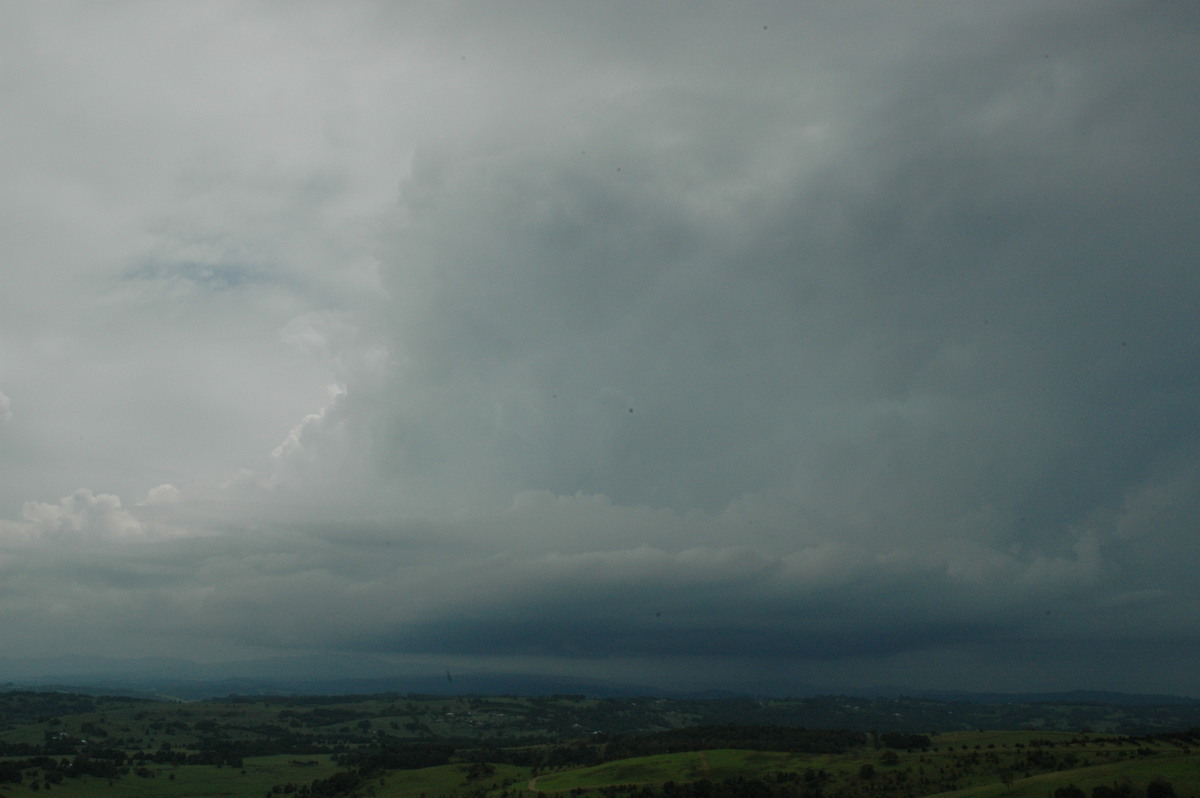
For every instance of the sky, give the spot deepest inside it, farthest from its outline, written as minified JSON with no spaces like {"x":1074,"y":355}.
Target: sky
{"x":746,"y":345}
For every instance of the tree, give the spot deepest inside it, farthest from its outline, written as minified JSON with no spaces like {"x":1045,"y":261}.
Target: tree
{"x":10,"y":773}
{"x":1160,"y":788}
{"x":479,"y":770}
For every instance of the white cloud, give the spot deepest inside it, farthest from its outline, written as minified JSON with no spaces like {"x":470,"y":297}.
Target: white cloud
{"x":831,"y":315}
{"x":82,"y":517}
{"x":163,"y":494}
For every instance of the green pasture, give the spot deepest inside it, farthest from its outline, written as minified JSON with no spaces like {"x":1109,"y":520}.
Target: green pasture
{"x":728,"y":763}
{"x":1181,"y":770}
{"x":449,"y":780}
{"x":971,"y":758}
{"x":688,"y":766}
{"x":983,"y":779}
{"x":1025,"y":737}
{"x":657,"y":769}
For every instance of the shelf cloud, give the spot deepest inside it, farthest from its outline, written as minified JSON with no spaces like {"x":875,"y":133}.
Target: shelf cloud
{"x":764,"y":346}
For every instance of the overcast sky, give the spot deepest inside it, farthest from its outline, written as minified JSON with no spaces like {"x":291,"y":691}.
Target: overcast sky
{"x":693,"y":344}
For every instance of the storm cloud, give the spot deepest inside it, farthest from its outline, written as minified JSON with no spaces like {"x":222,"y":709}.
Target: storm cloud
{"x":768,"y":345}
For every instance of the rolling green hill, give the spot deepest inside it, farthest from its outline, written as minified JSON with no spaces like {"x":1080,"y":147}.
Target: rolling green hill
{"x":507,"y":747}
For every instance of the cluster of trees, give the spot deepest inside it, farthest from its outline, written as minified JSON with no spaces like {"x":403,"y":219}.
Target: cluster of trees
{"x":399,"y":757}
{"x":348,"y":782}
{"x":53,"y":770}
{"x":762,"y":738}
{"x":782,"y":784}
{"x":907,"y":742}
{"x":23,"y":706}
{"x":818,"y":784}
{"x":356,"y":733}
{"x":1158,"y":788}
{"x":342,"y":783}
{"x":599,"y":748}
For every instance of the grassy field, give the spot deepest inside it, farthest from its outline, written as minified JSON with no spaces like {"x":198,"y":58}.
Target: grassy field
{"x":260,"y":775}
{"x":277,"y":746}
{"x":1182,"y":771}
{"x":973,"y":760}
{"x":641,"y":770}
{"x":451,"y":780}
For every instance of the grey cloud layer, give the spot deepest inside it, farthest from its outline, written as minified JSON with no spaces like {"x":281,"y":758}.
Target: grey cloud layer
{"x":855,"y":338}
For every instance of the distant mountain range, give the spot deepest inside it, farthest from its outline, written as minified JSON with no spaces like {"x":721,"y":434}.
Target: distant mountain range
{"x":333,"y":674}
